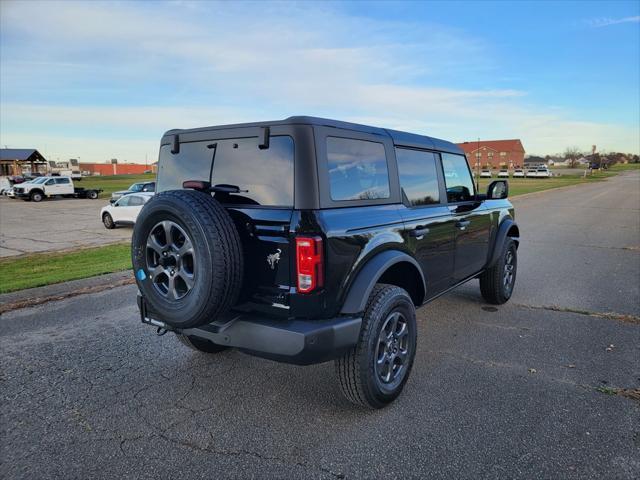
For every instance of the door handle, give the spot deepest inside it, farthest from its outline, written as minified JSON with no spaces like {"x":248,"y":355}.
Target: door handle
{"x":419,"y":231}
{"x":463,"y":224}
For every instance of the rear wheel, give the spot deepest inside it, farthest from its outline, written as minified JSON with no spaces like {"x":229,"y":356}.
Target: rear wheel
{"x":200,"y":344}
{"x":108,"y":221}
{"x":375,"y":371}
{"x":496,"y":283}
{"x":92,"y":194}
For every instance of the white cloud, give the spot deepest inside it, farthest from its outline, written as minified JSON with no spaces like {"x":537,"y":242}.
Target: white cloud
{"x":607,"y":21}
{"x":95,"y":79}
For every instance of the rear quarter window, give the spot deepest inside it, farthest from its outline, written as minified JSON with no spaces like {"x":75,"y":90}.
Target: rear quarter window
{"x":357,"y":169}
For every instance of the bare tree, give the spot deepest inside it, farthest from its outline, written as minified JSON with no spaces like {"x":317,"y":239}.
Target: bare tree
{"x":572,"y":155}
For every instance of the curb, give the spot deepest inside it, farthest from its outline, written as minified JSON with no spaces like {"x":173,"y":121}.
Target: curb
{"x":553,"y":189}
{"x":39,"y":295}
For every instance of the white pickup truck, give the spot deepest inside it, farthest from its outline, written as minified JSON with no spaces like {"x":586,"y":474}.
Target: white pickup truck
{"x":42,"y":187}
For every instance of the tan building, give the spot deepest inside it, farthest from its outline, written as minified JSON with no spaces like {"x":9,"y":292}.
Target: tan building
{"x":494,"y":153}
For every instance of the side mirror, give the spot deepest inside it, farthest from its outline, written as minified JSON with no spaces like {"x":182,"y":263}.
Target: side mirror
{"x":498,"y":190}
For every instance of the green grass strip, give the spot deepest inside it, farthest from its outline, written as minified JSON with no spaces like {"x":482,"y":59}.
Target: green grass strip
{"x":39,"y":269}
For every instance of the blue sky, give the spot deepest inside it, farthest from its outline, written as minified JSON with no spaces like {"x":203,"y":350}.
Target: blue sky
{"x":104,"y":80}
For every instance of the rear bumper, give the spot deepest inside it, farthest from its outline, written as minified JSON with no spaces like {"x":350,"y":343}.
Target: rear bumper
{"x":301,"y":342}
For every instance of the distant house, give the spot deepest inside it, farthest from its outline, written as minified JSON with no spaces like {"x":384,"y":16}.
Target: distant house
{"x":21,"y":161}
{"x":494,"y":153}
{"x":535,"y":160}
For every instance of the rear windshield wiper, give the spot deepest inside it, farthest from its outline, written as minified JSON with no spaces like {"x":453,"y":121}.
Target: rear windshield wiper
{"x":218,"y":188}
{"x":226,"y":188}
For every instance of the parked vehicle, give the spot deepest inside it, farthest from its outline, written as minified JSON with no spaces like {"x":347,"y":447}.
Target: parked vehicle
{"x":134,"y":188}
{"x":518,"y":173}
{"x":503,"y":173}
{"x":307,"y":240}
{"x":125,"y":210}
{"x":486,"y":173}
{"x":531,"y":173}
{"x":543,"y":172}
{"x":51,"y":186}
{"x":8,"y":192}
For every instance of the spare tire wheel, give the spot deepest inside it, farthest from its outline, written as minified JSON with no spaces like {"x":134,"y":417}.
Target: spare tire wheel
{"x":187,"y":257}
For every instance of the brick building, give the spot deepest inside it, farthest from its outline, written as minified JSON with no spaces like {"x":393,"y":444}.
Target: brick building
{"x":115,"y":168}
{"x":494,"y":153}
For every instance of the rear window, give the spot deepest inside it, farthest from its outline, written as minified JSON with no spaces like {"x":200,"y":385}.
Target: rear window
{"x":357,"y":169}
{"x":265,"y":177}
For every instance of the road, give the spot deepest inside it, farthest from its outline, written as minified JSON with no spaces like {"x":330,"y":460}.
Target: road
{"x":507,"y":392}
{"x":54,"y":224}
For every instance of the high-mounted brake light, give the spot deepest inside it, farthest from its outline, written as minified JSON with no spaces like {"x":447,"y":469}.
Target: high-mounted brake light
{"x":309,"y":264}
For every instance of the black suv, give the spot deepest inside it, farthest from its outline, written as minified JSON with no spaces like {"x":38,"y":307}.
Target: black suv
{"x":306,"y":240}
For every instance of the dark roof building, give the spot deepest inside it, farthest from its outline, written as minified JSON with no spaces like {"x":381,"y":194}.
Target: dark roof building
{"x":18,"y":161}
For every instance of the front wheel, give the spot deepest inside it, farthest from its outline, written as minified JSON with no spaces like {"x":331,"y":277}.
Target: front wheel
{"x":36,"y":197}
{"x":108,"y":221}
{"x":374,"y":372}
{"x":497,"y":282}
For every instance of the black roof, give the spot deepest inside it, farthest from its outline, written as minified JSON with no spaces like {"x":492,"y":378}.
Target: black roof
{"x":398,"y":137}
{"x":21,"y":154}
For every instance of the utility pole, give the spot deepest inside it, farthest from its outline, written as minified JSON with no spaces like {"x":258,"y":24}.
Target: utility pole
{"x":478,"y":167}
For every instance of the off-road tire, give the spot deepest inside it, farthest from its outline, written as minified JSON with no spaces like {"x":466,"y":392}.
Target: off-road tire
{"x":92,"y":195}
{"x":492,"y":281}
{"x":200,"y":344}
{"x":36,"y":197}
{"x":217,"y":257}
{"x":108,"y":222}
{"x":356,"y":369}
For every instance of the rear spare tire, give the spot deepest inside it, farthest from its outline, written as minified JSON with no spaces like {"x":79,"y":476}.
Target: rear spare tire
{"x":187,"y":257}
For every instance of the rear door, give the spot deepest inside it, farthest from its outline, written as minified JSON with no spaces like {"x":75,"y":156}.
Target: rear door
{"x":429,"y":225}
{"x":63,"y":186}
{"x":472,"y":220}
{"x":261,"y":208}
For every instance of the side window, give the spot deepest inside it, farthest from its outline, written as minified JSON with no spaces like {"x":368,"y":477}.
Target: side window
{"x":50,"y":182}
{"x":135,"y":201}
{"x":357,"y":169}
{"x":124,"y":201}
{"x":64,"y":181}
{"x":457,"y":178}
{"x":418,"y":176}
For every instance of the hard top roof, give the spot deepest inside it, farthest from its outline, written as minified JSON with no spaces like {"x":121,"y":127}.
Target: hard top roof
{"x":399,"y":138}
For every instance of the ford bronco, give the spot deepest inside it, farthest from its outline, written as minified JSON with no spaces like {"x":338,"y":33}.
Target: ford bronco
{"x":307,"y":240}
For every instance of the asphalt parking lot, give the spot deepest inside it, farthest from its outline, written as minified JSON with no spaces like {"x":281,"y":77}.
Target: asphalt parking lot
{"x":54,"y":224}
{"x":525,"y":390}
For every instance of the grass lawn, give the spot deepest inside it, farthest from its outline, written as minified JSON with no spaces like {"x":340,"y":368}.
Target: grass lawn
{"x":620,"y":167}
{"x":40,"y":269}
{"x":519,"y":186}
{"x":113,"y":183}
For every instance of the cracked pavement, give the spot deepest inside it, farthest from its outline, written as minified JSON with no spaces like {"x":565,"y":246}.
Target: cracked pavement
{"x":90,"y":392}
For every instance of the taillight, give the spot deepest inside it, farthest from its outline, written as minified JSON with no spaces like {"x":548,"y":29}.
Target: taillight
{"x":309,"y":263}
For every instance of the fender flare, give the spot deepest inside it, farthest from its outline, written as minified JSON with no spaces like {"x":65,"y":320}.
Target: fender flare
{"x":503,"y":231}
{"x":369,"y":275}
